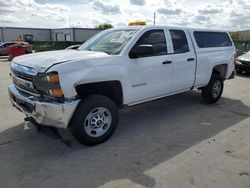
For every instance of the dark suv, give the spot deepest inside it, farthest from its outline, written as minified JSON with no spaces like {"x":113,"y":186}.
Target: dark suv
{"x":243,"y":63}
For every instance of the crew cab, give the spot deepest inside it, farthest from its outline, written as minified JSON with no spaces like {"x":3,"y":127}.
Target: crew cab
{"x":83,"y":89}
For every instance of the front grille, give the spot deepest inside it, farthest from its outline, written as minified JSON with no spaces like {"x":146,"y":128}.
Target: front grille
{"x":24,"y":88}
{"x":24,"y":82}
{"x":23,"y":75}
{"x":245,"y":62}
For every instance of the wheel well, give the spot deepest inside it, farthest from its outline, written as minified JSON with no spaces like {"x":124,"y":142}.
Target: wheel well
{"x":221,"y":70}
{"x":111,"y":89}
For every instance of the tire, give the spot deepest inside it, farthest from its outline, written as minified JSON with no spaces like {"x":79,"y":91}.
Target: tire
{"x":212,"y":92}
{"x":238,"y":71}
{"x":95,"y":120}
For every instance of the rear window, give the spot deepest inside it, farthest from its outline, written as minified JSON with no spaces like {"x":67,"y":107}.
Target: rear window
{"x":212,"y":39}
{"x":179,"y":40}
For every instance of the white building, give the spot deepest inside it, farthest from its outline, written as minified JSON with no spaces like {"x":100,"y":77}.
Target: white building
{"x":37,"y":34}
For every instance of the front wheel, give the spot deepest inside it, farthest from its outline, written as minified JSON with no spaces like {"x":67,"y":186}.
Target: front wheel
{"x":212,"y":92}
{"x":95,"y":120}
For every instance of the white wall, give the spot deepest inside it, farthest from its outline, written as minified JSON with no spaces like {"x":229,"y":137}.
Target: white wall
{"x":82,"y":35}
{"x":59,"y":34}
{"x":10,"y":34}
{"x":75,"y":34}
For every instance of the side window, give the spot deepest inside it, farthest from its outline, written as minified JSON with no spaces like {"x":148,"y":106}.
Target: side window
{"x":157,"y":39}
{"x":9,"y":44}
{"x":179,"y":40}
{"x":212,"y":39}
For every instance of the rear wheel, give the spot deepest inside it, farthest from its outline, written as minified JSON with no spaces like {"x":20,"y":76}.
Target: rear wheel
{"x":212,"y":92}
{"x":95,"y":120}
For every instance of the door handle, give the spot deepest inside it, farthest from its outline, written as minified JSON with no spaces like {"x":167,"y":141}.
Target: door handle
{"x":166,"y":62}
{"x":190,"y":59}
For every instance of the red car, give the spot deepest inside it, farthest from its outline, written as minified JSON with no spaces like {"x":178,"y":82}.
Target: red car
{"x":19,"y":49}
{"x":5,"y":45}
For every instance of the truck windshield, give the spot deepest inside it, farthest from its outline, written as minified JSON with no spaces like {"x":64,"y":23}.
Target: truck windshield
{"x":111,"y":41}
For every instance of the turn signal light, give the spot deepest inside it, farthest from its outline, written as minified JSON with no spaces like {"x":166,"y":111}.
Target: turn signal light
{"x":56,"y":92}
{"x":54,"y":78}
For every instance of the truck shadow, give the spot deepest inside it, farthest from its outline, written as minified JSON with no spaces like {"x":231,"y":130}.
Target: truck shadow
{"x":148,"y":135}
{"x":243,"y":75}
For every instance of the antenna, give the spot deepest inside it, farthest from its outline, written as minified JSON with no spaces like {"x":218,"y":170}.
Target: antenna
{"x":154,"y":17}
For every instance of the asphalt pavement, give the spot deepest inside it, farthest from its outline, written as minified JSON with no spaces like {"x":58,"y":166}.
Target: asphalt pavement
{"x":174,"y":142}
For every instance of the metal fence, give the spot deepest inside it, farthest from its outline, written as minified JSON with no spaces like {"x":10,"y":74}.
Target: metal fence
{"x":242,"y":46}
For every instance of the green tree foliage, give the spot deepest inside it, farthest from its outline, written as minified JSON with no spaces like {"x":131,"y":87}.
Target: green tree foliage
{"x":104,"y":26}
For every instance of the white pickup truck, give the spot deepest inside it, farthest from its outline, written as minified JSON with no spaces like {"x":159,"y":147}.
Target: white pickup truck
{"x":83,"y":89}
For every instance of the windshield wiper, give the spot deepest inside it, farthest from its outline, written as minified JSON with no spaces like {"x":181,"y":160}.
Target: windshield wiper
{"x":99,"y":51}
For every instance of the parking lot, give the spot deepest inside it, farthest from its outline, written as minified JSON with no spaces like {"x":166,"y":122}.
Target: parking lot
{"x":173,"y":142}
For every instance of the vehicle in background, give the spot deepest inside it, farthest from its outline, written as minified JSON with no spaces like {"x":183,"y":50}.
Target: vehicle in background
{"x":4,"y":47}
{"x":73,"y":47}
{"x":83,"y":89}
{"x":19,"y":49}
{"x":243,"y":63}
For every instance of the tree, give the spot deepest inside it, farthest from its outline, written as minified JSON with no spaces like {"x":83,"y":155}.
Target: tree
{"x":234,"y":35}
{"x":104,"y":26}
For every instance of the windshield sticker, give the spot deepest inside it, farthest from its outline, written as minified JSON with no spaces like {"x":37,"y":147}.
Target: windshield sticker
{"x":117,"y":40}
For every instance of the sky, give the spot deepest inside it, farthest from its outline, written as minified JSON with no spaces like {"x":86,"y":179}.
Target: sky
{"x":229,"y":15}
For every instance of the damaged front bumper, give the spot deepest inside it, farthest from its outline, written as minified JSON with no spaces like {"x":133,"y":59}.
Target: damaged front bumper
{"x":52,"y":114}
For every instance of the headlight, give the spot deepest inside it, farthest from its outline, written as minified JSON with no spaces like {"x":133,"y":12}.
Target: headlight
{"x":48,"y":84}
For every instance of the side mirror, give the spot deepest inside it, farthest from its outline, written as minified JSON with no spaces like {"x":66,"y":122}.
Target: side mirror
{"x":141,"y":51}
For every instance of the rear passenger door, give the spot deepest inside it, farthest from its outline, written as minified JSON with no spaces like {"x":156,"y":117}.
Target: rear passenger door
{"x":183,"y":60}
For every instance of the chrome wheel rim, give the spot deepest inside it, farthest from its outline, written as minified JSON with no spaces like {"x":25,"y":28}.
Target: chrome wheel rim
{"x":98,"y":122}
{"x":216,"y":89}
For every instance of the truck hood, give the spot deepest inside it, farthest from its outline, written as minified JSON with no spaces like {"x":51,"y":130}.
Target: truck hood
{"x":43,"y":60}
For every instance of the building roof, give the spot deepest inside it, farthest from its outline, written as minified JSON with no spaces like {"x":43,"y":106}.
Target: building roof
{"x":32,"y":28}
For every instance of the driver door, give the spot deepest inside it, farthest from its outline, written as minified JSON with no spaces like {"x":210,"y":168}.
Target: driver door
{"x":150,"y":75}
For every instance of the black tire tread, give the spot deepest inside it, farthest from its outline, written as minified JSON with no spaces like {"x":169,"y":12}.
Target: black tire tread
{"x":207,"y":90}
{"x":87,"y":104}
